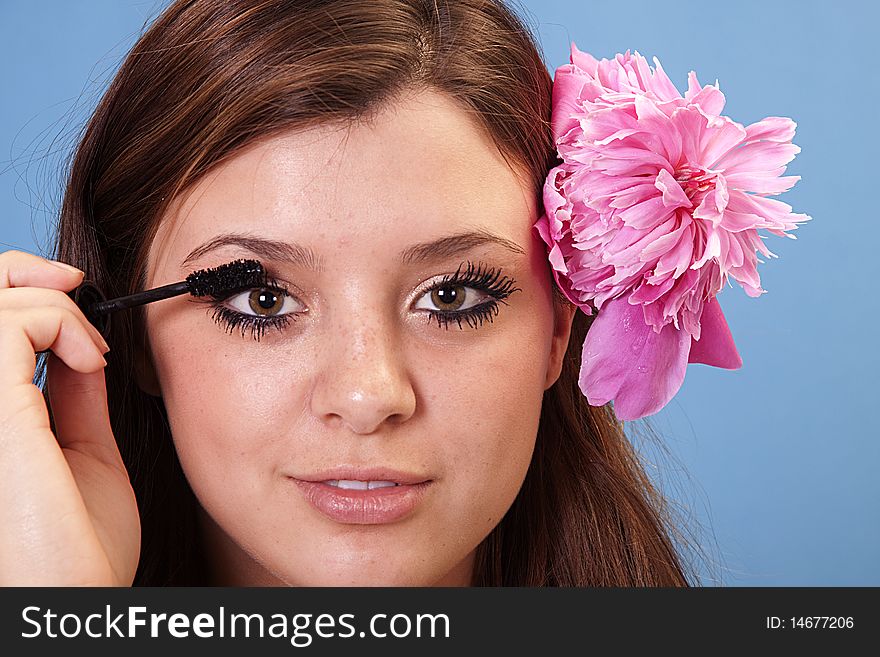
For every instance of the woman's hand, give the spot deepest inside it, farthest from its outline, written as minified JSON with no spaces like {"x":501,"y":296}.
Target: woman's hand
{"x":68,"y":515}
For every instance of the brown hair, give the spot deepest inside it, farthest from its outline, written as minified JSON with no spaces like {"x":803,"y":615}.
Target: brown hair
{"x":206,"y":79}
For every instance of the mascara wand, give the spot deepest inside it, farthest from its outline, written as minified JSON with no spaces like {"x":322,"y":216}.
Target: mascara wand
{"x":236,"y":275}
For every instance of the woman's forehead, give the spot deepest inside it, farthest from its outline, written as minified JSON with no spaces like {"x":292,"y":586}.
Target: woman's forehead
{"x":419,"y":169}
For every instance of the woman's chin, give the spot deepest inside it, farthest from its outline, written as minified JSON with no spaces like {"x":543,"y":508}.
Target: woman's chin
{"x":375,"y":568}
{"x":365,"y":578}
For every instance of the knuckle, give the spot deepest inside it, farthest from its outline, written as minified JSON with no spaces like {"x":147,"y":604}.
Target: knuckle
{"x":10,"y":254}
{"x":12,"y":258}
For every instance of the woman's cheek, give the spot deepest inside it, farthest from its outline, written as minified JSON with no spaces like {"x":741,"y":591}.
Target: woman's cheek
{"x":490,"y":459}
{"x":223,"y":410}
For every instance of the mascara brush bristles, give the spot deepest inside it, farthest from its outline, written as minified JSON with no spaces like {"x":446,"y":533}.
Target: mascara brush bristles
{"x":236,"y":275}
{"x":220,"y":280}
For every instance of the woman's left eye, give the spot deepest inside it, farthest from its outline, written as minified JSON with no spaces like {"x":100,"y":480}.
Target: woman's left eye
{"x":450,"y":302}
{"x":471,"y":296}
{"x":452,"y":298}
{"x":255,"y":310}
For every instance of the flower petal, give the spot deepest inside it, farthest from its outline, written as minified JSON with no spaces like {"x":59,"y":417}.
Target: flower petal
{"x":761,"y":182}
{"x":567,"y":85}
{"x":646,"y":214}
{"x":757,"y":156}
{"x":715,"y":346}
{"x":709,"y":98}
{"x":624,"y":359}
{"x":673,"y":194}
{"x":773,"y":128}
{"x":661,"y":85}
{"x":653,"y":120}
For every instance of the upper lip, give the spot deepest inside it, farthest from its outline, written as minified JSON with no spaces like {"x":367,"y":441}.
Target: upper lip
{"x":361,"y":473}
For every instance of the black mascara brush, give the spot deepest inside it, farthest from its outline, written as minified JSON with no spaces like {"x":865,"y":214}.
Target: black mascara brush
{"x":233,"y":276}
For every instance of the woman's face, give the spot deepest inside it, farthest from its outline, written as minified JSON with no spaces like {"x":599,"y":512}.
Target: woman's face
{"x":355,"y":379}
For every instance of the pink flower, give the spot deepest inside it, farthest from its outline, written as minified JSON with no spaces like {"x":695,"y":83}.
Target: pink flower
{"x":658,"y":201}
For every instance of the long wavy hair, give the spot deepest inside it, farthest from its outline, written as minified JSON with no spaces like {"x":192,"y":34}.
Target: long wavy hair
{"x":206,"y":79}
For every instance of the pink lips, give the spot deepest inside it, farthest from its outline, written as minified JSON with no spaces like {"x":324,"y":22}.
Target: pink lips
{"x":364,"y":507}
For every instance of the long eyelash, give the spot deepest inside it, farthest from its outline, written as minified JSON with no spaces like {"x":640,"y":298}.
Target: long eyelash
{"x":486,"y":280}
{"x":257,"y":326}
{"x":474,"y":317}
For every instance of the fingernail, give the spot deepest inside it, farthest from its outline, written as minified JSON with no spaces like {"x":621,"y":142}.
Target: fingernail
{"x":65,"y":266}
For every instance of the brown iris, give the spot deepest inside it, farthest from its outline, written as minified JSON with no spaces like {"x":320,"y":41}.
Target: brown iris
{"x":265,"y":302}
{"x":448,"y":297}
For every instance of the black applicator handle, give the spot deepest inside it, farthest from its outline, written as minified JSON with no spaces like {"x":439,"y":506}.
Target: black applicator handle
{"x":140,"y":298}
{"x":235,"y":275}
{"x":95,"y":306}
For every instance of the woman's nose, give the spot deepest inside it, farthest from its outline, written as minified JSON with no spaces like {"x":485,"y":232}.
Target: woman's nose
{"x":362,"y":381}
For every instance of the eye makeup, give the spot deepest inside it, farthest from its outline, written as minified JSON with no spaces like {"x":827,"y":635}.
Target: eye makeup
{"x":449,"y":294}
{"x":488,"y":281}
{"x":262,"y":300}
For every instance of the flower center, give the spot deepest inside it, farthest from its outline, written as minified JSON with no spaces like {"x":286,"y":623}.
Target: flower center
{"x":694,"y":180}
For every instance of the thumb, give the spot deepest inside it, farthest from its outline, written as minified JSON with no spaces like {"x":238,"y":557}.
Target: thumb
{"x":79,"y":409}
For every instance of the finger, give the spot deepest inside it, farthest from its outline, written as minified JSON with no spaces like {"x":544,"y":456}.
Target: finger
{"x":79,"y":408}
{"x":44,"y":520}
{"x":22,"y":333}
{"x":21,"y":298}
{"x":20,"y":269}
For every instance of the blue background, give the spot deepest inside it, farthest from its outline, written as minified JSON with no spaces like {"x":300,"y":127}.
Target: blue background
{"x":775,"y":465}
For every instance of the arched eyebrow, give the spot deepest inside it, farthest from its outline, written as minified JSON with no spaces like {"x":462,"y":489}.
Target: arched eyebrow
{"x":452,"y":245}
{"x":259,"y":246}
{"x":302,"y":256}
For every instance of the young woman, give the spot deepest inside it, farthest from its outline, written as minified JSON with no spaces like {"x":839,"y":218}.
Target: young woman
{"x":384,"y":162}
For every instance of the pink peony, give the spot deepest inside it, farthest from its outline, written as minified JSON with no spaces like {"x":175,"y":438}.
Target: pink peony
{"x":657,"y":201}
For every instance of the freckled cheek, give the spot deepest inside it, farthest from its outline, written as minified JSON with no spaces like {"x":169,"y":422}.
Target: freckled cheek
{"x":488,"y":457}
{"x":226,"y":409}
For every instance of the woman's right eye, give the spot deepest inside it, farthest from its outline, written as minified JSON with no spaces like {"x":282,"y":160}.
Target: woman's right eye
{"x":256,"y":310}
{"x":264,"y":302}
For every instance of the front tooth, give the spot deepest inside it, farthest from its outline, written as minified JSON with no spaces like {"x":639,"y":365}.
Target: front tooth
{"x":381,"y":484}
{"x":353,"y":484}
{"x":359,"y":485}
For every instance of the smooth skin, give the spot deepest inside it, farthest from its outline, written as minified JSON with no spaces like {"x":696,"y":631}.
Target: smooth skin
{"x":69,"y":515}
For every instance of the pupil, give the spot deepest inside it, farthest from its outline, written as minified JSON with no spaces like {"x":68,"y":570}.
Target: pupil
{"x":451,"y":296}
{"x":264,"y":302}
{"x":447,"y":294}
{"x":267,"y":300}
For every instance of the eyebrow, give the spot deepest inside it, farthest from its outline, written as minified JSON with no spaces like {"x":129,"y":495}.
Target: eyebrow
{"x":423,"y":252}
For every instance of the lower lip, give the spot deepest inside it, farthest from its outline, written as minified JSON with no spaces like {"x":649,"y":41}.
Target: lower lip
{"x":363,"y":507}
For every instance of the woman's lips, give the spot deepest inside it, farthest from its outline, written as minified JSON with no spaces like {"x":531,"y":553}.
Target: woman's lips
{"x":363,"y":507}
